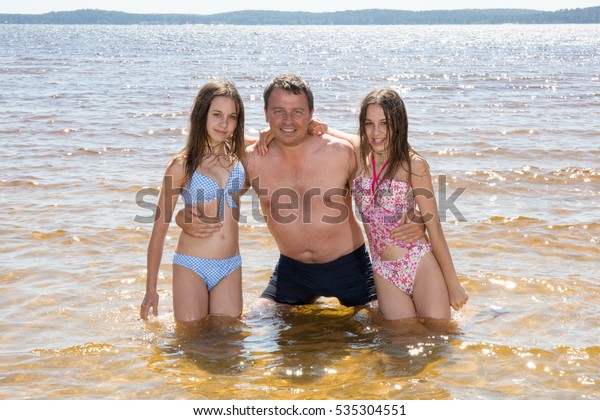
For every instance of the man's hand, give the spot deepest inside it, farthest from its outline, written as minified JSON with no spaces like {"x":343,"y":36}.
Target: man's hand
{"x":194,"y":224}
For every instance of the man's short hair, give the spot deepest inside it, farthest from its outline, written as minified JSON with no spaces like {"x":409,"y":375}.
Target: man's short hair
{"x":290,"y":83}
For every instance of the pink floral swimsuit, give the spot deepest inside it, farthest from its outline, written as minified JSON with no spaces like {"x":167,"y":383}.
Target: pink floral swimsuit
{"x":381,"y":207}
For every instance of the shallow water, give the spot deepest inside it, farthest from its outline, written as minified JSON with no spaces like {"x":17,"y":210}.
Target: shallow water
{"x":91,"y":114}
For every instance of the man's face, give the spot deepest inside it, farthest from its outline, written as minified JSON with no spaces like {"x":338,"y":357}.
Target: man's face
{"x":288,"y":116}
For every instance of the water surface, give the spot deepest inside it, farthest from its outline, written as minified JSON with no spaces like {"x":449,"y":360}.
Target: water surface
{"x":90,"y":115}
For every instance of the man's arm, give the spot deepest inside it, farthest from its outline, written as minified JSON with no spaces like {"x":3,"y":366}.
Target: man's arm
{"x":192,"y":223}
{"x":411,"y":229}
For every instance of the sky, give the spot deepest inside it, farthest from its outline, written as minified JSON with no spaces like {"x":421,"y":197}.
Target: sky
{"x":217,"y":6}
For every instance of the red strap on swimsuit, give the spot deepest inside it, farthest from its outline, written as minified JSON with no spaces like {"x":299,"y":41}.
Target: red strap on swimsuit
{"x":376,"y":176}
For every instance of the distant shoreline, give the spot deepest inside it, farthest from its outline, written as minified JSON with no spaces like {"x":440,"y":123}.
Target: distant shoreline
{"x":589,"y":15}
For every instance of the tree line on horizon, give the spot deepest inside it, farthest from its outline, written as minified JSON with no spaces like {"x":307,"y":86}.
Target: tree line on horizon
{"x":350,"y":17}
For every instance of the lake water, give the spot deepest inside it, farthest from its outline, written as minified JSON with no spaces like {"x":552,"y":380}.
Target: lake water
{"x":507,"y":116}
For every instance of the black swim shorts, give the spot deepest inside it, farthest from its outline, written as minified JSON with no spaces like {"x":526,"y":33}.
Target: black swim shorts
{"x":348,"y":278}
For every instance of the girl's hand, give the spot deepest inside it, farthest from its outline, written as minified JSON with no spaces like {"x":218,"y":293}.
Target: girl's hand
{"x":264,"y":139}
{"x":458,"y":296}
{"x":316,"y":127}
{"x":150,"y":301}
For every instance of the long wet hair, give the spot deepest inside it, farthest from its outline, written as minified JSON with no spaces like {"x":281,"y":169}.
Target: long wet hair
{"x":197,"y":147}
{"x":398,"y":149}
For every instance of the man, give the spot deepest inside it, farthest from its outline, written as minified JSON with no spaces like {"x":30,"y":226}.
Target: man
{"x":303,"y":184}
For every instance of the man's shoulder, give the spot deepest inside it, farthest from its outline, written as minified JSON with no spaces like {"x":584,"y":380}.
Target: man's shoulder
{"x":336,"y":145}
{"x":251,"y":153}
{"x":254,"y":162}
{"x":249,"y":157}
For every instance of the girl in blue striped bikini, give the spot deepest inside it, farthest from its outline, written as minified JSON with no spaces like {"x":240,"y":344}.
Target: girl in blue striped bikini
{"x":208,"y":174}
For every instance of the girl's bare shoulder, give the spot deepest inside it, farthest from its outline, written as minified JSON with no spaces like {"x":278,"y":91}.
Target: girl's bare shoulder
{"x":176,"y":166}
{"x":419,"y":165}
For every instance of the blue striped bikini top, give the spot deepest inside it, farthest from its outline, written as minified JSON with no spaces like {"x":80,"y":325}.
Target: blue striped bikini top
{"x":203,"y":189}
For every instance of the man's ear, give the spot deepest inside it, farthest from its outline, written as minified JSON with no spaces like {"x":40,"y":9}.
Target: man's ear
{"x":266,"y":115}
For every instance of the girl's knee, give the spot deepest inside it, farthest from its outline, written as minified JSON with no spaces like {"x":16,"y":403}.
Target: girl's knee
{"x":437,"y":313}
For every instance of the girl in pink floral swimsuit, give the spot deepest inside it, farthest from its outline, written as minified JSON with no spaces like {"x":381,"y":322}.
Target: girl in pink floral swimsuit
{"x":412,"y":279}
{"x":382,"y":206}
